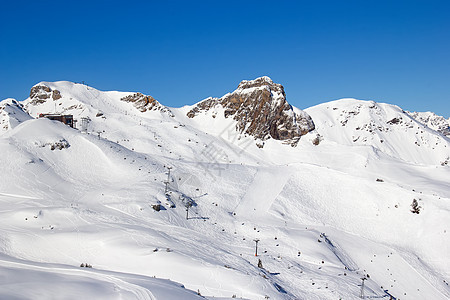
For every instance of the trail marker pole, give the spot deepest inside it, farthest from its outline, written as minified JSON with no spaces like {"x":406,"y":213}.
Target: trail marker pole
{"x":362,"y":287}
{"x":256,"y":249}
{"x":167,"y":182}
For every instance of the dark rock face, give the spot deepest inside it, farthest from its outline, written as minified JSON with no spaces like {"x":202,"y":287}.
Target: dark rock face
{"x":260,"y":109}
{"x":56,"y":95}
{"x":145,"y":103}
{"x":40,"y":93}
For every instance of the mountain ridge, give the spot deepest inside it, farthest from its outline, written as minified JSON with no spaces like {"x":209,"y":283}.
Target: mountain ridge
{"x":433,"y":121}
{"x":258,"y":112}
{"x":386,"y":127}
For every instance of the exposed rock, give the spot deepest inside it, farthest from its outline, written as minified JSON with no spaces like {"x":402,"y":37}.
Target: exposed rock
{"x":39,"y":94}
{"x":204,"y":105}
{"x":145,"y":103}
{"x":260,"y":108}
{"x":56,"y":95}
{"x":61,"y":144}
{"x":433,"y":121}
{"x":141,"y":102}
{"x":316,"y":141}
{"x":156,"y":207}
{"x":394,"y":121}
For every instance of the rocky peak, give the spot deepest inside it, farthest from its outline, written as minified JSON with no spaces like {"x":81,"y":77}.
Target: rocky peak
{"x":145,"y":103}
{"x":259,"y":82}
{"x":40,"y":93}
{"x":260,"y":109}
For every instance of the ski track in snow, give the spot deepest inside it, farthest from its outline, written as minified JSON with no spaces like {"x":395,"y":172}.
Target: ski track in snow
{"x":262,"y":192}
{"x":139,"y":292}
{"x":340,"y":254}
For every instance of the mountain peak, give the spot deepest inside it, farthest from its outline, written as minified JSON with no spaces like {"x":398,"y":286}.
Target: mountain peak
{"x":381,"y":126}
{"x":260,"y":109}
{"x":258,"y":82}
{"x":81,"y":100}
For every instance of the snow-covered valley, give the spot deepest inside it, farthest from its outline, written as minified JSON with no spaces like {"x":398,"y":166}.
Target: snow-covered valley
{"x":168,"y":203}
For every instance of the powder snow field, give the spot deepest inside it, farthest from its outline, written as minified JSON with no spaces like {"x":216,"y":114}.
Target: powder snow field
{"x":325,"y":215}
{"x":22,"y":279}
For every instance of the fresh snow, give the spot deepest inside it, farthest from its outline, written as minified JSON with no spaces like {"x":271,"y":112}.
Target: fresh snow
{"x":11,"y":114}
{"x":433,"y":121}
{"x":325,"y":215}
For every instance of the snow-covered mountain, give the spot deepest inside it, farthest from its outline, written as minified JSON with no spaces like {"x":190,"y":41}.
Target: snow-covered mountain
{"x":385,"y":127}
{"x":344,"y":190}
{"x":435,"y":122}
{"x":260,"y":110}
{"x":83,"y":101}
{"x":11,"y":114}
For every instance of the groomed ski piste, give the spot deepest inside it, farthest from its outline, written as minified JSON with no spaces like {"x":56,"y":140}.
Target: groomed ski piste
{"x":78,"y":207}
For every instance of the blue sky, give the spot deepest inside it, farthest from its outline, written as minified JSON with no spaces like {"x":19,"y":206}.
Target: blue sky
{"x":181,"y":52}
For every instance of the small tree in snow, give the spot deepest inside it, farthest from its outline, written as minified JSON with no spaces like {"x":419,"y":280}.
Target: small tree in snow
{"x":415,"y":207}
{"x":260,"y":265}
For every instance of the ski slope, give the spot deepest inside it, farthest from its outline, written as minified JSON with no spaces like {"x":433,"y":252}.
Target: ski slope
{"x":325,"y":215}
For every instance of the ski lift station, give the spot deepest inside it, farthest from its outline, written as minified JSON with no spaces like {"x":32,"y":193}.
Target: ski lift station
{"x":66,"y":119}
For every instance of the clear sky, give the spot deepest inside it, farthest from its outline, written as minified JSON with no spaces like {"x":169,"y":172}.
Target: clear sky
{"x":181,"y":52}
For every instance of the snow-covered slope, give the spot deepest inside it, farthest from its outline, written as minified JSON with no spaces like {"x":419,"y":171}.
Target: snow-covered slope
{"x":336,"y":208}
{"x":433,"y":121}
{"x":11,"y":114}
{"x":385,"y":127}
{"x":22,"y":279}
{"x":138,"y":122}
{"x":65,"y":97}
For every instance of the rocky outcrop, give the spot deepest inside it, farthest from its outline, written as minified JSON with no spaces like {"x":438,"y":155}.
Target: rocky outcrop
{"x":145,"y":103}
{"x":433,"y":121}
{"x":141,"y":102}
{"x":40,"y":94}
{"x":260,"y":109}
{"x":204,"y":105}
{"x":56,"y":95}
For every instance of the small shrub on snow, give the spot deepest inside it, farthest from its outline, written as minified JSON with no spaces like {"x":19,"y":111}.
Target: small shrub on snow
{"x":415,"y":207}
{"x":260,"y":265}
{"x":85,"y":265}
